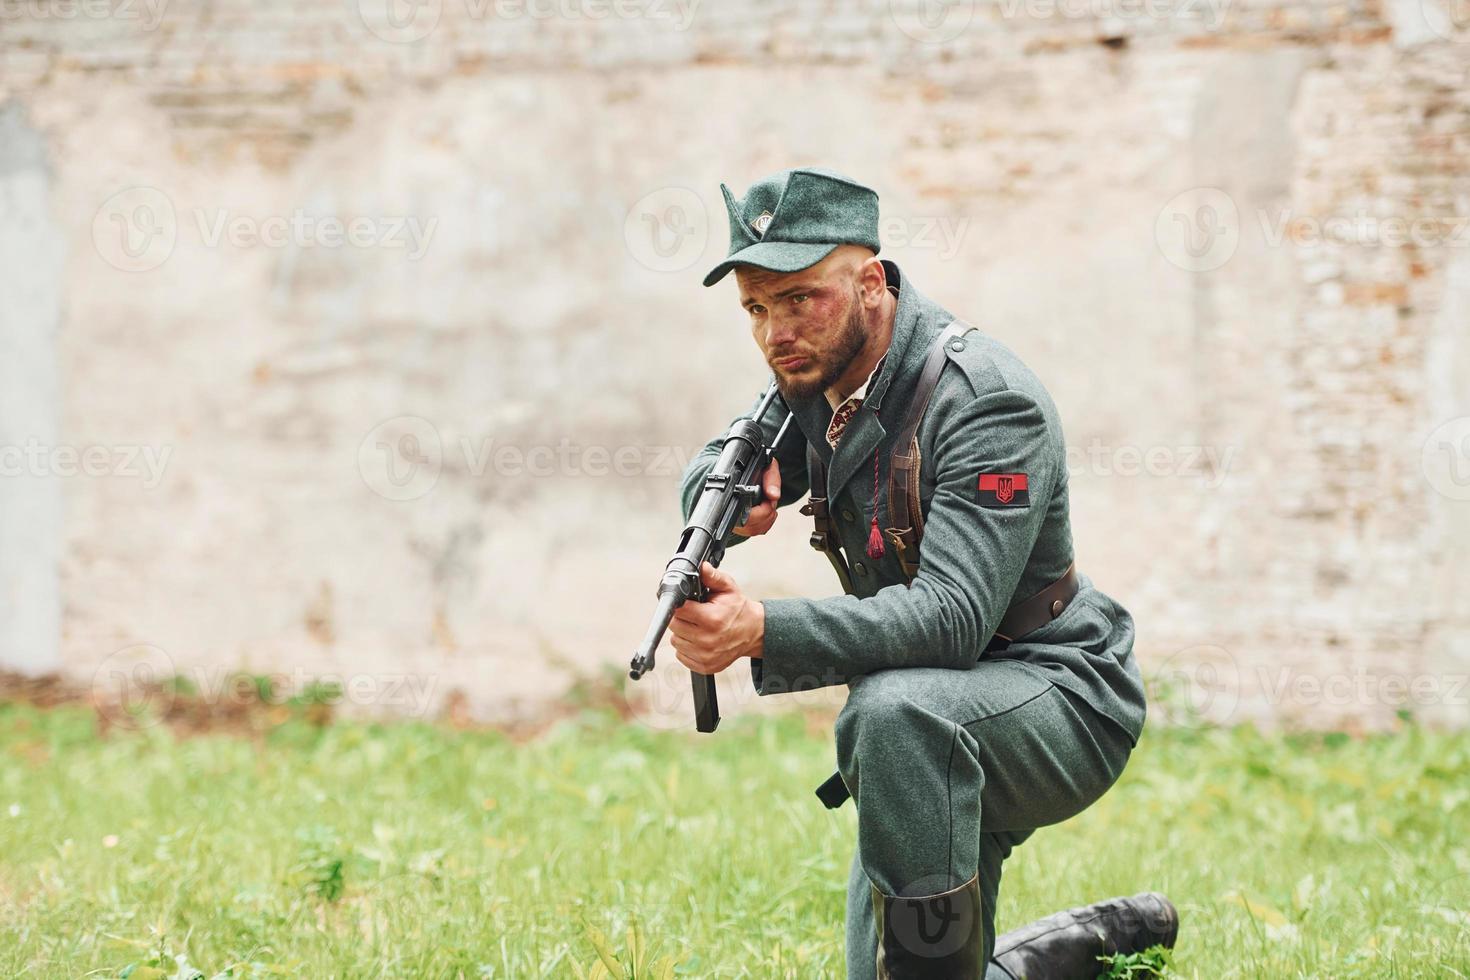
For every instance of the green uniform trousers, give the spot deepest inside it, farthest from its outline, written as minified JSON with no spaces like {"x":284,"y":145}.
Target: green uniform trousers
{"x":951,"y":769}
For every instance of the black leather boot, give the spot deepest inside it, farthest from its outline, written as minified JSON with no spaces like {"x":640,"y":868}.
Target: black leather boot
{"x":931,"y":937}
{"x":1065,"y":946}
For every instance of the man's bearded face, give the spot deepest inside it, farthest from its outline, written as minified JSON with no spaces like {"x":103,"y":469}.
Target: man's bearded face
{"x":809,"y":329}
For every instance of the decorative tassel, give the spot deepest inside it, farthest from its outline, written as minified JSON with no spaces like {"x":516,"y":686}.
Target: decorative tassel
{"x":875,"y":541}
{"x":875,"y":537}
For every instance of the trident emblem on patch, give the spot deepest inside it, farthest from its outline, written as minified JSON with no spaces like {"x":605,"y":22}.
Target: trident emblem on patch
{"x":762,"y":223}
{"x":1004,"y":490}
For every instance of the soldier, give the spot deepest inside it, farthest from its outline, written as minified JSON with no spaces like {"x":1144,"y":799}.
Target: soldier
{"x":991,"y":688}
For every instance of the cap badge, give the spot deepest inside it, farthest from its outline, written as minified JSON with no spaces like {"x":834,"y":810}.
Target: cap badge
{"x":762,"y":223}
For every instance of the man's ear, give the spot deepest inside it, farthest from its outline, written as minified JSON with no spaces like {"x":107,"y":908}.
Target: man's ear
{"x":872,"y":280}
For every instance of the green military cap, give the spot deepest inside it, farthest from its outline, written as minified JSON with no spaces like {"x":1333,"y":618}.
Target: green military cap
{"x":795,"y":218}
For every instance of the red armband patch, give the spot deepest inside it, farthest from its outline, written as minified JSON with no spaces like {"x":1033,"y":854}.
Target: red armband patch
{"x":1004,"y":490}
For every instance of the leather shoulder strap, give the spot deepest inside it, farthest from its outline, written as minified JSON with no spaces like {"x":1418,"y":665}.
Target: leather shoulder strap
{"x":929,"y":380}
{"x":903,"y":472}
{"x":816,"y":472}
{"x":816,"y":508}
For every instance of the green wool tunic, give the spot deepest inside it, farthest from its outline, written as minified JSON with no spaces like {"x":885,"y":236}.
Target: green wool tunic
{"x":989,"y":415}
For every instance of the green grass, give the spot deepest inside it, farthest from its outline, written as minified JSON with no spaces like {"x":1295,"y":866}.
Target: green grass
{"x":356,"y":850}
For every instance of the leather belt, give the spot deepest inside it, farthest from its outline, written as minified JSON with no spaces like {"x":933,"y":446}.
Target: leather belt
{"x":1046,"y":605}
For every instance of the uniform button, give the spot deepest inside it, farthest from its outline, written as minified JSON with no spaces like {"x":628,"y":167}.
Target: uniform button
{"x":956,"y":345}
{"x":1056,"y":608}
{"x":860,"y":568}
{"x":848,"y":515}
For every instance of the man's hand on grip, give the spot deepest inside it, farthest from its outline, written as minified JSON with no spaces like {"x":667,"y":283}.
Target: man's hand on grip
{"x":763,"y":514}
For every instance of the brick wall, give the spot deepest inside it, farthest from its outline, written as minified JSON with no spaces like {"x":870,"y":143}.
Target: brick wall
{"x":1126,"y":193}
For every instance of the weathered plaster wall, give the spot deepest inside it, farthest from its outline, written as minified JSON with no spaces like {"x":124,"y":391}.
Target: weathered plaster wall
{"x":1269,"y":468}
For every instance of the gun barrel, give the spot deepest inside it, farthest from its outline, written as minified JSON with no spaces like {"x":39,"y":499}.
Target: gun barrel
{"x":643,"y":659}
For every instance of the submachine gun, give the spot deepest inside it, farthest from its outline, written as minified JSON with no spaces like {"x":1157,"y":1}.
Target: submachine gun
{"x":731,"y":488}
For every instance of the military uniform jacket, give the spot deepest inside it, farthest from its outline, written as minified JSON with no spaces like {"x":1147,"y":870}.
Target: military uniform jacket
{"x":989,"y":416}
